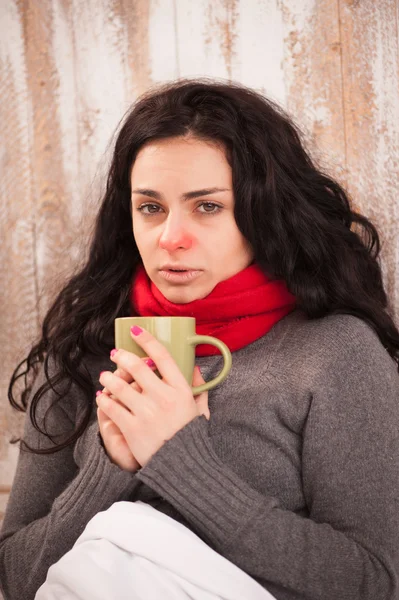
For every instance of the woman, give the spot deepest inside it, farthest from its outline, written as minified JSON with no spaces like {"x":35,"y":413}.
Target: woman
{"x":290,"y":468}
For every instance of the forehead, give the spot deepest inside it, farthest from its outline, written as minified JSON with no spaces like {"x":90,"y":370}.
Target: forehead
{"x":181,"y":158}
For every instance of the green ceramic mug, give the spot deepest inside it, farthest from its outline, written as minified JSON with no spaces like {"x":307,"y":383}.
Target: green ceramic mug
{"x":178,"y":335}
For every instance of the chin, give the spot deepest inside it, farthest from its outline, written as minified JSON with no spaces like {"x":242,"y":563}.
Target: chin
{"x":183,"y":295}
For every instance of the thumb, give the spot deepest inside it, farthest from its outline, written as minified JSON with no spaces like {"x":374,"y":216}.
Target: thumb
{"x":201,"y":400}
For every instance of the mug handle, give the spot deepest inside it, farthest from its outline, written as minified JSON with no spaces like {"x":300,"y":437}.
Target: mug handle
{"x":207,"y":339}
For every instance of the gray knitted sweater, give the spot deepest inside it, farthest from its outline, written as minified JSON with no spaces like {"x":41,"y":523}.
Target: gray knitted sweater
{"x":295,"y":478}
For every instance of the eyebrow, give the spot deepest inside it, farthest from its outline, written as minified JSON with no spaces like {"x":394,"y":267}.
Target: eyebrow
{"x":185,"y":196}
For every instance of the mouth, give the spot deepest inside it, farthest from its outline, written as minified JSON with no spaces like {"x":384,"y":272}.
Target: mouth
{"x":179,"y":275}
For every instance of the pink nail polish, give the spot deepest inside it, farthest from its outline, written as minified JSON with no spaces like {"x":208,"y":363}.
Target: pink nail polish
{"x":136,"y":330}
{"x":149,"y":362}
{"x":113,"y":352}
{"x":102,"y":373}
{"x":98,"y":393}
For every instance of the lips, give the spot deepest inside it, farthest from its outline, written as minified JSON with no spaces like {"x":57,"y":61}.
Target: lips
{"x":179,"y":276}
{"x":169,"y":267}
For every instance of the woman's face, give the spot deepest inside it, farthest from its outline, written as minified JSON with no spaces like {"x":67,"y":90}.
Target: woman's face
{"x":182,"y":207}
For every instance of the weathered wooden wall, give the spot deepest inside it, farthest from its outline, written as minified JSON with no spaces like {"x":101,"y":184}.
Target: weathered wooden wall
{"x":70,"y":68}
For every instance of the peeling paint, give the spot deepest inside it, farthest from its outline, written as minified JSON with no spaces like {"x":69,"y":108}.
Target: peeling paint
{"x":222,"y":23}
{"x":228,"y":30}
{"x":17,"y":264}
{"x":48,"y":182}
{"x":312,"y":68}
{"x":370,"y":58}
{"x":136,"y":19}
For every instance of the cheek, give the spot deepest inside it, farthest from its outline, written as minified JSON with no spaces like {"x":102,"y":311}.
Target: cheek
{"x":229,"y":235}
{"x":141,"y":237}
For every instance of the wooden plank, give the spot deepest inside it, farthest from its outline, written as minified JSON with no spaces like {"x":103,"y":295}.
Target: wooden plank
{"x":259,"y":47}
{"x":61,"y":47}
{"x":99,"y":72}
{"x":162,"y":42}
{"x":135,"y":17}
{"x":18,"y":275}
{"x":312,"y":67}
{"x":233,"y":40}
{"x":205,"y":33}
{"x":370,"y":58}
{"x":51,"y":207}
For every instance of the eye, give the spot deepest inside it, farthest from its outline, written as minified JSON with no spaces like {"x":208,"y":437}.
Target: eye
{"x":216,"y":208}
{"x":149,"y":206}
{"x":210,"y":208}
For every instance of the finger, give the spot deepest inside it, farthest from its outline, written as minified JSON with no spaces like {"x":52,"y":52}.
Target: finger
{"x":134,"y":385}
{"x":126,"y":376}
{"x":104,"y":422}
{"x":139,"y":370}
{"x":119,"y":373}
{"x":101,"y":417}
{"x":116,"y":412}
{"x":107,"y":427}
{"x":166,"y":365}
{"x":127,"y":395}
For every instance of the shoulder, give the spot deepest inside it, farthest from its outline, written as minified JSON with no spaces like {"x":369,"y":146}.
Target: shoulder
{"x":334,"y":333}
{"x":335,"y":344}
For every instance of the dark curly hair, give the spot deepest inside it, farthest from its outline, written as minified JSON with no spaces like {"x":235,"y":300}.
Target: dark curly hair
{"x":298,"y":220}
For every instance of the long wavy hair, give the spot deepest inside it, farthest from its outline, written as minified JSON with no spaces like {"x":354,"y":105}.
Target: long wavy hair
{"x":298,"y":220}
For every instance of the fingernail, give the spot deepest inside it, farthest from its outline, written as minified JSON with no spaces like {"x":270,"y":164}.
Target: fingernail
{"x":136,"y":330}
{"x":149,"y":362}
{"x":98,"y":393}
{"x":199,"y":370}
{"x":113,"y":352}
{"x":102,"y":373}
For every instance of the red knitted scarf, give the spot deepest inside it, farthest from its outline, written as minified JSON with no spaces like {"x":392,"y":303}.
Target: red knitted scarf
{"x":238,"y":311}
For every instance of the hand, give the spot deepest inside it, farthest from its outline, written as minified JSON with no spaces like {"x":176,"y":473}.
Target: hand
{"x":114,"y":442}
{"x":149,"y":417}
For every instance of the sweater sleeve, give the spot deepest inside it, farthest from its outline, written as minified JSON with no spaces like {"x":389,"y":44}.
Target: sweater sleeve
{"x":348,"y":546}
{"x":52,"y":499}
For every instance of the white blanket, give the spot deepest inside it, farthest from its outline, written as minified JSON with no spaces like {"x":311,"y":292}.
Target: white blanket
{"x":133,"y":552}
